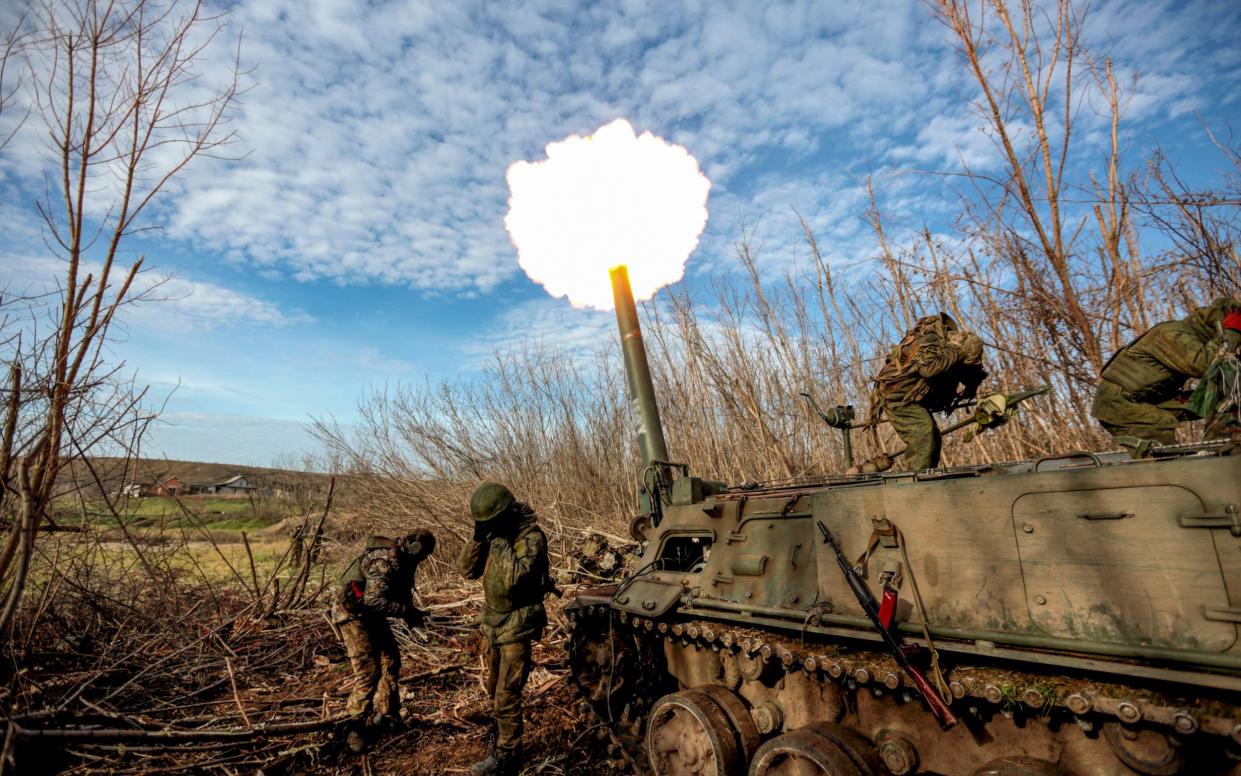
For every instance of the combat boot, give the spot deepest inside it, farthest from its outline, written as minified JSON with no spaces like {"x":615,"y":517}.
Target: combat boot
{"x":498,"y":763}
{"x":488,"y":766}
{"x":510,"y":761}
{"x":383,"y":724}
{"x":356,"y":742}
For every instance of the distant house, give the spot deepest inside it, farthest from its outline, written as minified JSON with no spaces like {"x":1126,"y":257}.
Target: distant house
{"x":171,"y":486}
{"x":233,"y":485}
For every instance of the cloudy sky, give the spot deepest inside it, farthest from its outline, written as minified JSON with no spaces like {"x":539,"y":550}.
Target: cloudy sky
{"x":357,"y":237}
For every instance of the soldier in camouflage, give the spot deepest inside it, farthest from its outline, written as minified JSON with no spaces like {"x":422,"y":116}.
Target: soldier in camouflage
{"x":509,"y":552}
{"x":933,"y":369}
{"x":379,"y":584}
{"x":1141,"y":390}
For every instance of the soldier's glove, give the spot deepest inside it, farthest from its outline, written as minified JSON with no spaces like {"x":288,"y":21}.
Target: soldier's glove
{"x":415,"y":617}
{"x":480,"y":531}
{"x":991,"y":412}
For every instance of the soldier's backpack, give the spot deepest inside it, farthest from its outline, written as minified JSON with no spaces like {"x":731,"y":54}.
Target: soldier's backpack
{"x":898,"y":366}
{"x":379,"y":549}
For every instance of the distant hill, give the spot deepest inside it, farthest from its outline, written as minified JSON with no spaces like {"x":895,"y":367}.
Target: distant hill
{"x":114,"y":473}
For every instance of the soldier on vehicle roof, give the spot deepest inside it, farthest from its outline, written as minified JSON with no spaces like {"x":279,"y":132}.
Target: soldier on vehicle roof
{"x":935,"y":368}
{"x":509,"y":552}
{"x":1141,"y":390}
{"x":379,"y":584}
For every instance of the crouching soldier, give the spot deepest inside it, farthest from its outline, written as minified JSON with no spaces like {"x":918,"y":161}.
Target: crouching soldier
{"x":378,"y":584}
{"x":1141,"y":396}
{"x":509,"y":551}
{"x":934,"y":368}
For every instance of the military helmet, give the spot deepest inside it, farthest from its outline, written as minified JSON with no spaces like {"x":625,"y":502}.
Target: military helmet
{"x":490,"y":500}
{"x":420,"y":543}
{"x":941,"y":323}
{"x":970,"y":345}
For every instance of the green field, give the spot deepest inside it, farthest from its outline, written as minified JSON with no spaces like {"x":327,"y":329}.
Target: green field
{"x":224,"y":517}
{"x":198,"y":536}
{"x":219,"y":564}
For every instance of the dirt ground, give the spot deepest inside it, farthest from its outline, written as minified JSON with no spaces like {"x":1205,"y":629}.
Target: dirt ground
{"x":292,"y":670}
{"x":447,"y":715}
{"x":554,"y":739}
{"x":240,"y":685}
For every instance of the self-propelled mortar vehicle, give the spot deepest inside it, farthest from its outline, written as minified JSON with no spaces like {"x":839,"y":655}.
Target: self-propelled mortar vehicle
{"x":1075,"y":614}
{"x":1084,"y":610}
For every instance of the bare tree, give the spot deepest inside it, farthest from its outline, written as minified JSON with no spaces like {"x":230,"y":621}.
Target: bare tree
{"x":1035,"y":78}
{"x":1201,"y":225}
{"x":113,"y":85}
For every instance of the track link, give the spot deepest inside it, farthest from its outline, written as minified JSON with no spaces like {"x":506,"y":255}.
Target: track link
{"x":631,"y":650}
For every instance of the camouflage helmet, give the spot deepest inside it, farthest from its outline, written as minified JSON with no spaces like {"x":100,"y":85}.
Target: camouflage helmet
{"x":420,"y":543}
{"x":490,"y":500}
{"x":970,"y":345}
{"x":941,"y":323}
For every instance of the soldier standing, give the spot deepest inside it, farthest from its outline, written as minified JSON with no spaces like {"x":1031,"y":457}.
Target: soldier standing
{"x":933,"y":369}
{"x":1140,"y":395}
{"x":509,"y":551}
{"x":377,"y":585}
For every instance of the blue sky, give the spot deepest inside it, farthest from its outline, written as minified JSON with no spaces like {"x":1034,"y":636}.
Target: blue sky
{"x":359,"y":239}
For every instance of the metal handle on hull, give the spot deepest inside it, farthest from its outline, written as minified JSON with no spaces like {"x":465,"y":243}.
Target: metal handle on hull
{"x":1066,"y":456}
{"x":1104,"y":515}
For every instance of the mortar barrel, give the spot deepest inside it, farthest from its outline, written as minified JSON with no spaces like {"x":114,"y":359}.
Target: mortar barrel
{"x":637,"y":370}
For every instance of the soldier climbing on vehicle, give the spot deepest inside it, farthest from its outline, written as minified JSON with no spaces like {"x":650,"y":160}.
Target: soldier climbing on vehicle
{"x":936,"y":367}
{"x":509,"y":552}
{"x":378,"y":585}
{"x":1141,"y":396}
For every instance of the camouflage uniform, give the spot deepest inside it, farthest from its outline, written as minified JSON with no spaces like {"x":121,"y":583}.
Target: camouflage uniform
{"x":378,"y":585}
{"x":931,"y":368}
{"x":1140,"y":391}
{"x":510,"y":555}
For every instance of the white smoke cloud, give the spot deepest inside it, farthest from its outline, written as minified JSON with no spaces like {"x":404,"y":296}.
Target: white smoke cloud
{"x":599,"y":201}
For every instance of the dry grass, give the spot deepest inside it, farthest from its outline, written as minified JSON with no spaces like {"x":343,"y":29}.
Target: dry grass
{"x":729,"y":369}
{"x":191,"y":635}
{"x":1056,"y":258}
{"x":1053,"y":272}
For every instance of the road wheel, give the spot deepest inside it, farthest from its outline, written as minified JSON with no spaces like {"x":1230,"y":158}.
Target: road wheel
{"x":819,"y":749}
{"x":689,"y":734}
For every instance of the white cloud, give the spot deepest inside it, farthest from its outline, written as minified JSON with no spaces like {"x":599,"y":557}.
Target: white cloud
{"x":185,"y":305}
{"x":950,"y":141}
{"x":552,"y":322}
{"x":1168,"y":59}
{"x":371,"y":359}
{"x":168,"y":302}
{"x":379,"y":133}
{"x":224,"y":438}
{"x":769,"y":217}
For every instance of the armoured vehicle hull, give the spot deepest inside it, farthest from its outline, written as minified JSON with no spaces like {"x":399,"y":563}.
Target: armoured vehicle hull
{"x":1084,"y":610}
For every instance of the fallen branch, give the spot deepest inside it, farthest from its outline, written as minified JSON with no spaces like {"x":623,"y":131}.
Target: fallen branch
{"x":433,"y":672}
{"x":229,"y":734}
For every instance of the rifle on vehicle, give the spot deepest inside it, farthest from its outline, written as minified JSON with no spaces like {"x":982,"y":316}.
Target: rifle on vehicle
{"x":899,"y":651}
